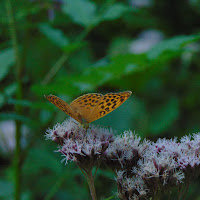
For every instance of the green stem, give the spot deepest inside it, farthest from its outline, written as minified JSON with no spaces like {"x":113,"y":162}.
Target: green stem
{"x":64,"y":58}
{"x":13,"y":34}
{"x":55,"y":68}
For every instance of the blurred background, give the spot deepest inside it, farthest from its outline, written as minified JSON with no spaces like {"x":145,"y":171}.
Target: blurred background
{"x":72,"y":47}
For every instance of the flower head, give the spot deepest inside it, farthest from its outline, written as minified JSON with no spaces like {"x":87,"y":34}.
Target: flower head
{"x":85,"y":147}
{"x":125,"y":151}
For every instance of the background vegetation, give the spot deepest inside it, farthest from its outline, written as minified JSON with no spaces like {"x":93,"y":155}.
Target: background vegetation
{"x":72,"y":47}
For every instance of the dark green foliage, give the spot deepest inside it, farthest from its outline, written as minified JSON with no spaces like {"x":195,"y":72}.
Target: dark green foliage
{"x":84,"y":47}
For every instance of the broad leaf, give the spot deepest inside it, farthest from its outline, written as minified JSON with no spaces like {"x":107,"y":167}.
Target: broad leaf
{"x":115,"y":11}
{"x":174,"y":44}
{"x":10,"y":89}
{"x":55,"y":35}
{"x":82,"y":12}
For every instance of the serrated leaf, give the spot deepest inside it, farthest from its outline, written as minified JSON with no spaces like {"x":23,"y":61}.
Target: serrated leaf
{"x":164,"y":116}
{"x":55,"y":35}
{"x":115,"y":11}
{"x":6,"y":60}
{"x":81,"y":12}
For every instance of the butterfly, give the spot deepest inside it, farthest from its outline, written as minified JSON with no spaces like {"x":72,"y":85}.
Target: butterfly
{"x":90,"y":107}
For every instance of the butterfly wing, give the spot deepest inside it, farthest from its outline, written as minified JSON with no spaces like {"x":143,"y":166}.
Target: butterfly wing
{"x":107,"y":104}
{"x":85,"y":104}
{"x":65,"y":107}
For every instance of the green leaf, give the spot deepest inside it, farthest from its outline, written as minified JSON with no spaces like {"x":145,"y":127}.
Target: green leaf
{"x":6,"y":188}
{"x":164,"y":116}
{"x":120,"y":65}
{"x":6,"y":60}
{"x":10,"y":89}
{"x":81,"y":12}
{"x":115,"y":11}
{"x":55,"y":35}
{"x":92,"y":77}
{"x":173,"y":45}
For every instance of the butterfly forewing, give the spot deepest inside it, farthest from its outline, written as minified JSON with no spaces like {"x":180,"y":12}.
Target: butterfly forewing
{"x":85,"y":104}
{"x":90,"y":107}
{"x":107,"y":104}
{"x":65,"y":107}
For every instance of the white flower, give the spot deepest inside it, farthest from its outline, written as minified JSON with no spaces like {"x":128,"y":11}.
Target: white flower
{"x":83,"y":146}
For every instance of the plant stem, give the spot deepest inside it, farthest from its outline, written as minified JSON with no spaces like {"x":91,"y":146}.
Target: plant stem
{"x":55,"y":68}
{"x":18,"y":108}
{"x":90,"y":180}
{"x":64,"y":58}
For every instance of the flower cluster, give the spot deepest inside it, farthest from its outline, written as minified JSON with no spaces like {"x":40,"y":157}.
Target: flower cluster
{"x":143,"y":169}
{"x":85,"y":147}
{"x":125,"y":151}
{"x":164,"y":164}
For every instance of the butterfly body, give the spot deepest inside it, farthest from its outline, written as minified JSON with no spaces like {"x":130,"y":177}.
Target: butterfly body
{"x":90,"y":107}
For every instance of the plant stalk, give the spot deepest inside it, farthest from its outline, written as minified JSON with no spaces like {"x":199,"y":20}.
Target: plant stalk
{"x":18,"y":108}
{"x":90,"y":180}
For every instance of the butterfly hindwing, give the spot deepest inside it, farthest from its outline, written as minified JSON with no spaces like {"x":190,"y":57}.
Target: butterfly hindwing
{"x":65,"y":107}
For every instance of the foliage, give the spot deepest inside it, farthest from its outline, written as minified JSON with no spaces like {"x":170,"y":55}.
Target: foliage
{"x":69,"y":48}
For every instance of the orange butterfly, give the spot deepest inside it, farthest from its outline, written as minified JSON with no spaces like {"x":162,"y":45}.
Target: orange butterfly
{"x":90,"y":107}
